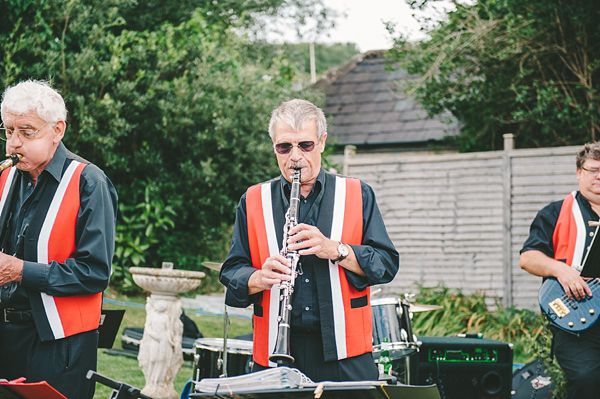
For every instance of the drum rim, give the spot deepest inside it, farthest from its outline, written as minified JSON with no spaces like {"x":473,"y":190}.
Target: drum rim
{"x":397,"y":346}
{"x":237,"y":346}
{"x":385,"y":301}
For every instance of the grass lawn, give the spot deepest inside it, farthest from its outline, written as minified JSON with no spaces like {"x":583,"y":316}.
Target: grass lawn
{"x":127,"y":370}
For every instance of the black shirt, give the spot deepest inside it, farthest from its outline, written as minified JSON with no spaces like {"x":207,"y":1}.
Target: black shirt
{"x":542,"y":227}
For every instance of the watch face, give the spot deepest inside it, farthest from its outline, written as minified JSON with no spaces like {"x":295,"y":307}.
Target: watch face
{"x":343,"y":249}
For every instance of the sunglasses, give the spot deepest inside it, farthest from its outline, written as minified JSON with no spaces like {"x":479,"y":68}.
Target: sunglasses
{"x":285,"y":148}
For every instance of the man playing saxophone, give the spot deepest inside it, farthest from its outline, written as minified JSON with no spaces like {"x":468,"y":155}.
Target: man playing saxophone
{"x":57,"y":237}
{"x":343,"y":245}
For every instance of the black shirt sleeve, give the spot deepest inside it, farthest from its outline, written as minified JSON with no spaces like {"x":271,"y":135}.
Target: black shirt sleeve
{"x":237,"y":268}
{"x":542,"y":229}
{"x":377,"y":256}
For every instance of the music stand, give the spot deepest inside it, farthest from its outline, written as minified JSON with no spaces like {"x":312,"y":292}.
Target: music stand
{"x":225,"y":335}
{"x":110,"y":320}
{"x":217,"y":267}
{"x":19,"y":389}
{"x":366,"y":391}
{"x":120,"y":389}
{"x":285,"y":382}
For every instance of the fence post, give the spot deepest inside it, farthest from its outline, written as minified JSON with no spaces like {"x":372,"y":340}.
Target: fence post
{"x":349,"y":152}
{"x":509,"y":144}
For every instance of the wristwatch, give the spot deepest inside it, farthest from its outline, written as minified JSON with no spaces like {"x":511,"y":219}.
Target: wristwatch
{"x":344,"y":251}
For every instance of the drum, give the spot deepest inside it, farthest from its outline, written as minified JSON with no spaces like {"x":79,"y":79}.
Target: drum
{"x":208,"y":360}
{"x":392,"y":327}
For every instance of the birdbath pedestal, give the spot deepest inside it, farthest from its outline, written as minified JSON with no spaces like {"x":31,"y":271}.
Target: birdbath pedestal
{"x":160,"y":355}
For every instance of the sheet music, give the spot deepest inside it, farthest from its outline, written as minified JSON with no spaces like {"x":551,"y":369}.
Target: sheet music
{"x":270,"y":379}
{"x":273,"y":378}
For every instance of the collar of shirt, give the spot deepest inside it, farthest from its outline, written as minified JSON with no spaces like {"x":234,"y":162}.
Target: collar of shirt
{"x":586,"y":203}
{"x":55,"y":166}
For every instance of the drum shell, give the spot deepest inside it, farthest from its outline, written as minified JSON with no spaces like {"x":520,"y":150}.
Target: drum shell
{"x":209,"y":355}
{"x":392,"y":326}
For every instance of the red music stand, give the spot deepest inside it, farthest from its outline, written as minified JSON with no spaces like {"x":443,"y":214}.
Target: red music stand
{"x":19,"y":389}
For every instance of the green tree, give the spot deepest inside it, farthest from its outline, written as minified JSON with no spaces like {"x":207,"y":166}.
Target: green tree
{"x":295,"y":56}
{"x":526,"y":67}
{"x":180,"y":107}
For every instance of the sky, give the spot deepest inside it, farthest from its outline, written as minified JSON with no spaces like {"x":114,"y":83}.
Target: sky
{"x":364,"y":24}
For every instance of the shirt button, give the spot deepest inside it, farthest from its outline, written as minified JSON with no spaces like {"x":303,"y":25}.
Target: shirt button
{"x":306,"y":308}
{"x":29,"y":184}
{"x":306,"y":280}
{"x":591,"y":233}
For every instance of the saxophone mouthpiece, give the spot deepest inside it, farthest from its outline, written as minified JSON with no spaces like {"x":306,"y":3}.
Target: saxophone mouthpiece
{"x":11,"y":160}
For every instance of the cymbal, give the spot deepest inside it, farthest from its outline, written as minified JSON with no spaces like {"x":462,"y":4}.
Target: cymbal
{"x":213,"y":265}
{"x":415,"y":307}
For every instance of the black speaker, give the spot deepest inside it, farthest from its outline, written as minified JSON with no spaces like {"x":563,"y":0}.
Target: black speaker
{"x":532,"y":381}
{"x":466,"y":368}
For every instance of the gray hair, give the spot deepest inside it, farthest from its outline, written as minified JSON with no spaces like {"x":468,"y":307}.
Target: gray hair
{"x":297,"y":113}
{"x":35,"y":95}
{"x":588,"y":151}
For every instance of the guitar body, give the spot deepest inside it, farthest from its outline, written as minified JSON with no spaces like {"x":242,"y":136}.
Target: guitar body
{"x":569,"y":314}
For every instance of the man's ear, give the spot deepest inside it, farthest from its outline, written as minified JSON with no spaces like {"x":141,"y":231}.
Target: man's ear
{"x":322,"y":143}
{"x":58,"y":131}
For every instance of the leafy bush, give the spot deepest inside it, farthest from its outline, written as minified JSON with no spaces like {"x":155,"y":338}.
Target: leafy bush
{"x":462,"y":313}
{"x":137,"y":233}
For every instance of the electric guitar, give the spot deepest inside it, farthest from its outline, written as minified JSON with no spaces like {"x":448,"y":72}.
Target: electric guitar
{"x":567,"y":314}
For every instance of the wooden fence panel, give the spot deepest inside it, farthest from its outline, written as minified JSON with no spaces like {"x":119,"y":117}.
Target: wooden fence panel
{"x":461,"y":219}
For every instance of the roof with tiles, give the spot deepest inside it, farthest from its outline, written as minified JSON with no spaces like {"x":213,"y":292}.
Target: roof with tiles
{"x":366,"y":108}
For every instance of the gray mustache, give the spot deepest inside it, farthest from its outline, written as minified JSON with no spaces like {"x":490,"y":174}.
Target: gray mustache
{"x":296,"y":165}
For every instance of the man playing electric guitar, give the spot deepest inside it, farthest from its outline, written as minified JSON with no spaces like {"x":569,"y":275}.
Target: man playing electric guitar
{"x":557,"y":244}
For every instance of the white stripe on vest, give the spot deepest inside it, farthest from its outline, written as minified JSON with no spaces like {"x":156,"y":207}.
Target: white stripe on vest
{"x":7,"y":186}
{"x":581,"y":234}
{"x":339,"y":315}
{"x":273,"y":250}
{"x":42,"y":247}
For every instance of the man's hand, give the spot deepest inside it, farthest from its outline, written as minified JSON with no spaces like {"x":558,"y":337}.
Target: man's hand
{"x":573,"y":284}
{"x":308,"y":240}
{"x":540,"y":264}
{"x":11,"y":269}
{"x":275,"y":270}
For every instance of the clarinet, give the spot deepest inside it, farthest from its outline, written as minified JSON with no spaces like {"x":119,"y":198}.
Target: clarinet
{"x":281,"y":354}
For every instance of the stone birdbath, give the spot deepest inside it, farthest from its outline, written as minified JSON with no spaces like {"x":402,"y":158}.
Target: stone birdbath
{"x":160,"y":355}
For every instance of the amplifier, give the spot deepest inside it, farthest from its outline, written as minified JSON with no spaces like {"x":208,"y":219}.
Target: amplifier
{"x":466,"y":368}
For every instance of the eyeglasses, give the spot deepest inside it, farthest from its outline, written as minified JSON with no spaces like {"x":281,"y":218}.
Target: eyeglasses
{"x":593,"y":172}
{"x":285,"y":148}
{"x":24,"y":134}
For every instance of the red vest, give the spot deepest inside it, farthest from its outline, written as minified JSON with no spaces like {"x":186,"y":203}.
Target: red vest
{"x":570,"y":233}
{"x":351,"y":326}
{"x":57,"y":317}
